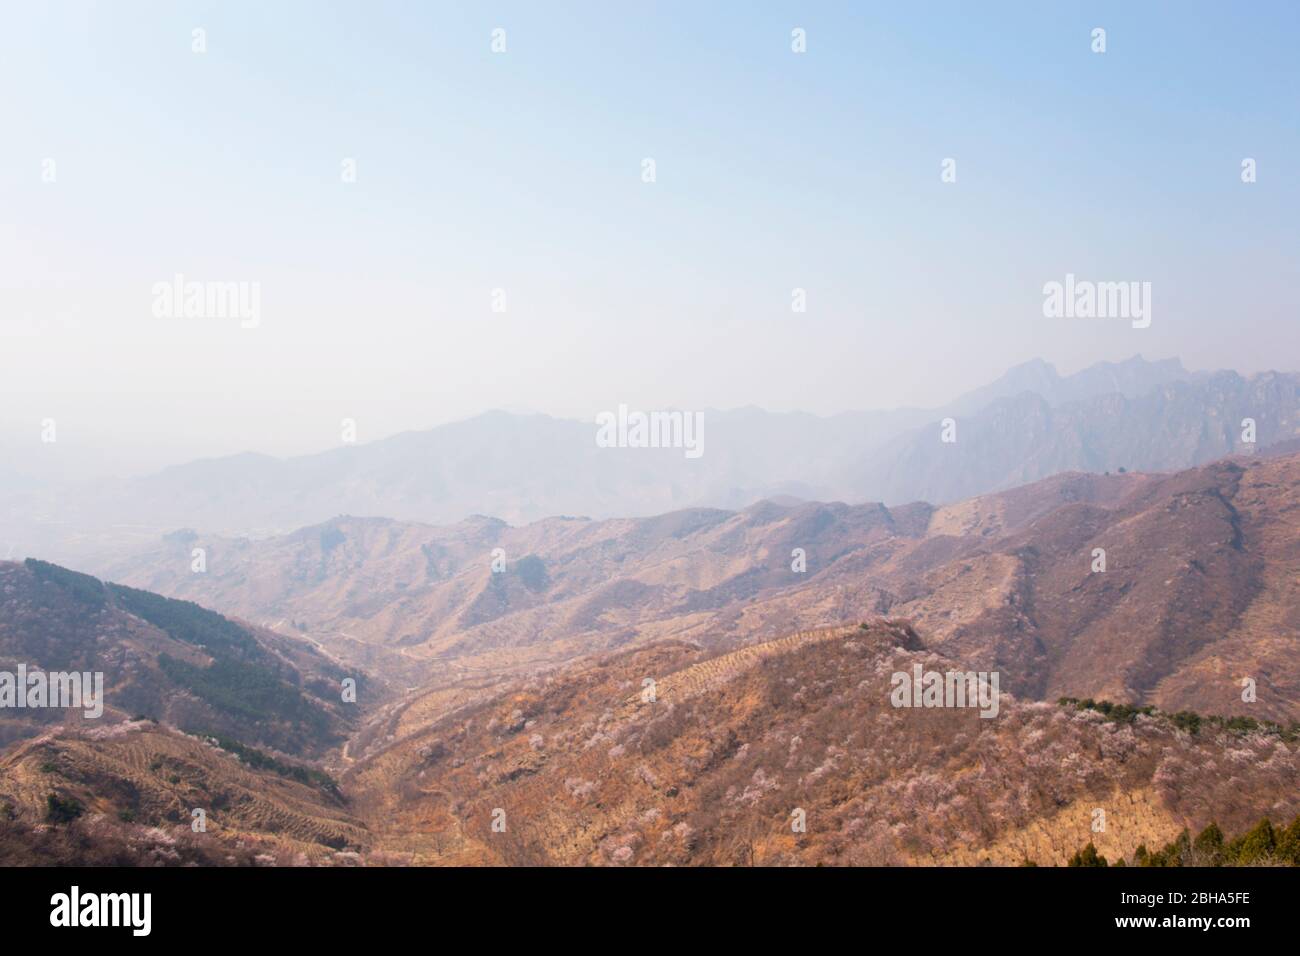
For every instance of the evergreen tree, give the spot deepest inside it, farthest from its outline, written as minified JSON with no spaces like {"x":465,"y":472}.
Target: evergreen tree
{"x":1258,"y":844}
{"x":1088,"y":856}
{"x":1288,"y":844}
{"x":1209,"y":846}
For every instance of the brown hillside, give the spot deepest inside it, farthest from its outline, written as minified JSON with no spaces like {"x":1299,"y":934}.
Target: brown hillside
{"x":168,"y":660}
{"x":136,"y":785}
{"x":587,"y":772}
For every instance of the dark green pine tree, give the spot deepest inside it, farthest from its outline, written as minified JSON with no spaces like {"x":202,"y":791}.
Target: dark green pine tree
{"x":1088,"y":856}
{"x":1209,"y":846}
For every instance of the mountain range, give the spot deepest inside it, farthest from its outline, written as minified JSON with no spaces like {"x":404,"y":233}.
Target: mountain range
{"x":1030,"y":424}
{"x":707,"y":684}
{"x":1197,"y":589}
{"x":501,"y":715}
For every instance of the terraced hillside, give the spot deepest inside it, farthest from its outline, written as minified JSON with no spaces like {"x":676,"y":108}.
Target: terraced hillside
{"x":126,"y":794}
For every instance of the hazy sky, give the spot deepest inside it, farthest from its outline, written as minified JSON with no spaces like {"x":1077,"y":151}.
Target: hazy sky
{"x":522,"y":171}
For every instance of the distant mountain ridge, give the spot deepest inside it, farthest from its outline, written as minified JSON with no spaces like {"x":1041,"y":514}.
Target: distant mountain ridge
{"x":1179,"y":424}
{"x":1030,"y":424}
{"x":1131,"y":378}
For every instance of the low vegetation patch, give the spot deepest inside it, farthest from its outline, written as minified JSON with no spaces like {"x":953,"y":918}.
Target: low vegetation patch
{"x":62,"y":809}
{"x":1186,"y":720}
{"x":1262,"y":845}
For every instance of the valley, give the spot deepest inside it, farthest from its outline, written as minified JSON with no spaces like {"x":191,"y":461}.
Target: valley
{"x":503,"y":717}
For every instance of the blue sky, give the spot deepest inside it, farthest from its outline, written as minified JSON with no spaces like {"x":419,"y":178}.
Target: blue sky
{"x":521,"y":171}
